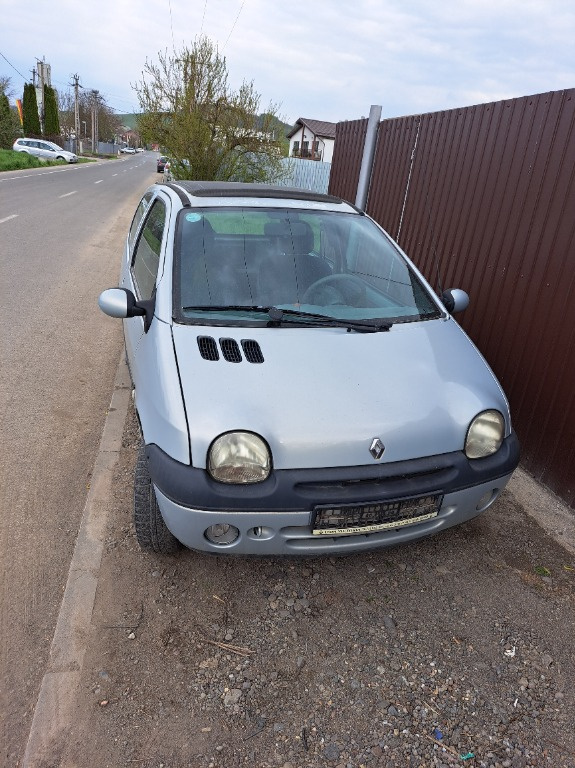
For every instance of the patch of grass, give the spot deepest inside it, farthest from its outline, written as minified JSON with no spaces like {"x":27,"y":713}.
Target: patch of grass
{"x":15,"y":161}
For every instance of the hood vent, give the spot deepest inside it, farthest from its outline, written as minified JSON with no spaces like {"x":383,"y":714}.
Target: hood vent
{"x":208,"y":348}
{"x":230,"y":350}
{"x":252,"y":351}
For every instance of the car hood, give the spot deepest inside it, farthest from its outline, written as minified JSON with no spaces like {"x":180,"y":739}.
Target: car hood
{"x":321,"y":395}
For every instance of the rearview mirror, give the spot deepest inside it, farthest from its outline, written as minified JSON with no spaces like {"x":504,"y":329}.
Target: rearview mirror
{"x":120,"y":302}
{"x":455,"y":300}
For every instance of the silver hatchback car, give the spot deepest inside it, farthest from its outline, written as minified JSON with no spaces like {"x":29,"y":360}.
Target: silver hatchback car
{"x":301,"y":390}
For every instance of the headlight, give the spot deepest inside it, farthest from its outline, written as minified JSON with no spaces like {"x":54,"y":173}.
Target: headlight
{"x":485,"y":435}
{"x":239,"y":457}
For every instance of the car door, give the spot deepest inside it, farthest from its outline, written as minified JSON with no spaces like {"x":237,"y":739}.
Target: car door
{"x":144,"y":253}
{"x":45,"y":150}
{"x":34,"y":148}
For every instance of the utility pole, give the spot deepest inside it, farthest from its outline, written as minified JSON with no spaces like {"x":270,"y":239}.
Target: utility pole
{"x":45,"y":79}
{"x":95,"y":101}
{"x":76,"y":84}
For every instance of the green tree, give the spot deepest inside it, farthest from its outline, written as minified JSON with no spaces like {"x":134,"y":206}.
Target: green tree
{"x":51,"y":119}
{"x":7,"y":133}
{"x":210,"y":131}
{"x":31,"y":119}
{"x":9,"y":121}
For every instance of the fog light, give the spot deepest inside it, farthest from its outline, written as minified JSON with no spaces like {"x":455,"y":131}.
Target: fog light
{"x":487,"y":499}
{"x":221,"y":533}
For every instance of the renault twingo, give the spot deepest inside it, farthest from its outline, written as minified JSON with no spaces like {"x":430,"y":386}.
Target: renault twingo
{"x":301,"y":390}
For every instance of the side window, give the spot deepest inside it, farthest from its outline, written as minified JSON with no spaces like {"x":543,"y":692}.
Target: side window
{"x":147,"y":253}
{"x":141,"y":209}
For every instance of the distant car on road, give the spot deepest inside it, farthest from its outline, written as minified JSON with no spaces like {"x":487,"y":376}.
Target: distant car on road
{"x":139,"y":149}
{"x":162,"y":160}
{"x":128,"y":150}
{"x":300,"y":387}
{"x":44,"y":149}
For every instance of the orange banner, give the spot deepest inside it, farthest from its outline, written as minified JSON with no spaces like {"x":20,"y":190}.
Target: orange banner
{"x":19,"y":105}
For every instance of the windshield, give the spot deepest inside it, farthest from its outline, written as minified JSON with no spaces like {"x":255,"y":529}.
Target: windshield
{"x":233,"y":264}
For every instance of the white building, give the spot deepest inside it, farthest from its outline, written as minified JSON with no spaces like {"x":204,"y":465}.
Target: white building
{"x":312,"y":140}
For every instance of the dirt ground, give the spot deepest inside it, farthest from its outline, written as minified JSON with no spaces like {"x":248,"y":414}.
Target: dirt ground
{"x":457,"y":650}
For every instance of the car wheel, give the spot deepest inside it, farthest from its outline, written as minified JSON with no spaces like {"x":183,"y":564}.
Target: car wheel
{"x":151,"y":531}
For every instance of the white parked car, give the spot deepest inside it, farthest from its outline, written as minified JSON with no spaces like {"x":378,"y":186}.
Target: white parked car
{"x":45,"y":149}
{"x":300,"y":387}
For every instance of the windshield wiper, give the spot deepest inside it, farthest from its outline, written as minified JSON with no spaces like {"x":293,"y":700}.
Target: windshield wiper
{"x":276,"y":317}
{"x":361,"y":326}
{"x":224,"y":308}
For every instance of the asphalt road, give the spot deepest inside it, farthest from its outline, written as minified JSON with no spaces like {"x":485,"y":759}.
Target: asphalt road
{"x":61,"y":238}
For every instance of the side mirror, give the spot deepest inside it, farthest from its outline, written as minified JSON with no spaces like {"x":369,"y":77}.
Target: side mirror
{"x":455,"y":300}
{"x":120,"y":302}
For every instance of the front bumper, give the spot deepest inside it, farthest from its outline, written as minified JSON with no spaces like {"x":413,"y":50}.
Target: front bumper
{"x":274,"y":517}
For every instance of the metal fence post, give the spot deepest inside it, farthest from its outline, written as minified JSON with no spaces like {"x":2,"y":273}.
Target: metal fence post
{"x":368,"y":154}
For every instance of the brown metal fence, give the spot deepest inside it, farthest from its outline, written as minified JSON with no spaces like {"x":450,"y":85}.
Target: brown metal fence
{"x":484,"y":197}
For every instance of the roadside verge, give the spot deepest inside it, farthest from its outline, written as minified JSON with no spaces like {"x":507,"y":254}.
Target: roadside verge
{"x":53,"y":714}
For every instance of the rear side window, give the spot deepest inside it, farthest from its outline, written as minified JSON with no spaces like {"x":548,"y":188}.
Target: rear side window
{"x":147,"y":253}
{"x":140,"y":210}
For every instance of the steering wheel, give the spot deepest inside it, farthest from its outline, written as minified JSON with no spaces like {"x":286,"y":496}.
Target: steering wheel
{"x":349,"y":288}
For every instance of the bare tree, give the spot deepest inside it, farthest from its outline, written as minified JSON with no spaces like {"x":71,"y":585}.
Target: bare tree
{"x":209,"y":131}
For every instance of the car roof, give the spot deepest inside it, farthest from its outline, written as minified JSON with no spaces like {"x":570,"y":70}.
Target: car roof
{"x":240,"y":189}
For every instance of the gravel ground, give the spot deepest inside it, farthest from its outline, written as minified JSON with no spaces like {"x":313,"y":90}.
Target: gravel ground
{"x":457,"y":650}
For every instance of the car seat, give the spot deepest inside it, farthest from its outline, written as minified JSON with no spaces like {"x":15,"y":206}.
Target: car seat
{"x":290,"y":267}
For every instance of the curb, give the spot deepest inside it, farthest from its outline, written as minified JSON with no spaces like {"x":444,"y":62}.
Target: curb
{"x":547,"y":509}
{"x":53,"y":714}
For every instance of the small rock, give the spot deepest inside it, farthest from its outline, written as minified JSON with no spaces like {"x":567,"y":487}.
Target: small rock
{"x":331,"y":752}
{"x":389,"y":623}
{"x":232,"y":697}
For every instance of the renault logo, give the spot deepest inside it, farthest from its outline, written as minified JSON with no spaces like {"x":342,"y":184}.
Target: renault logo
{"x":377,"y":448}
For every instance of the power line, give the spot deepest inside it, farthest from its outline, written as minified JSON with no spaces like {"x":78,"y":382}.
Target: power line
{"x":234,"y":24}
{"x":172,"y":25}
{"x":13,"y":67}
{"x":59,"y":82}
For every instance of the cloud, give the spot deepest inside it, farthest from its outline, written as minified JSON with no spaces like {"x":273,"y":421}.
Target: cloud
{"x":328,"y":60}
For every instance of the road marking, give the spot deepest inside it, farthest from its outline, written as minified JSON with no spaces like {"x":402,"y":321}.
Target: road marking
{"x":114,"y":174}
{"x":13,"y":216}
{"x":75,"y":192}
{"x":99,"y":182}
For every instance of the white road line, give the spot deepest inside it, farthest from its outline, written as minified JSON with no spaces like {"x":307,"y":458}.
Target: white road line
{"x":75,"y":192}
{"x":13,"y":216}
{"x":99,"y":182}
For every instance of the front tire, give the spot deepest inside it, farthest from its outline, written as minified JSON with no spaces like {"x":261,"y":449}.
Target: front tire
{"x":152,"y":533}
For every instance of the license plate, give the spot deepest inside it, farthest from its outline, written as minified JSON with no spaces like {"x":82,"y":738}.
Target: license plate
{"x":352,"y":519}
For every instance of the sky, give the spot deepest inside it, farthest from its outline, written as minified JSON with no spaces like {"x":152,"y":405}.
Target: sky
{"x":324,"y":59}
